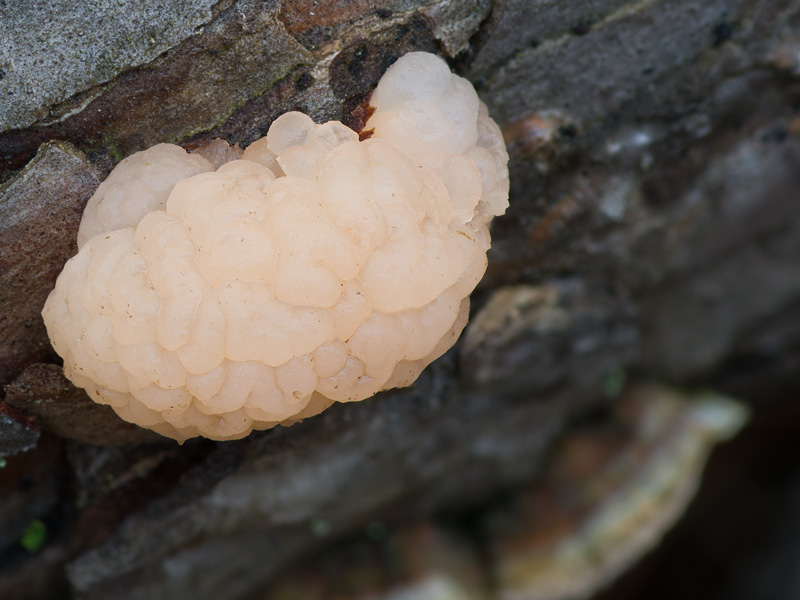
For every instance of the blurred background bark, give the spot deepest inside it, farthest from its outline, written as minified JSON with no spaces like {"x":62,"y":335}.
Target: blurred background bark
{"x":653,"y":236}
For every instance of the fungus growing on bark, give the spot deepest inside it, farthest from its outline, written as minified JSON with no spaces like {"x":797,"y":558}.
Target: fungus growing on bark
{"x":317,"y":268}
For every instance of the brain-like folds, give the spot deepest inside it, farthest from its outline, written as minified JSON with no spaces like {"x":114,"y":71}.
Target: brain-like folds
{"x":214,"y":299}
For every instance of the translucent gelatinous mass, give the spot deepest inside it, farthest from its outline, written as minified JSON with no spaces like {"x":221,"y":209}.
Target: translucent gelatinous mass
{"x":217,"y":298}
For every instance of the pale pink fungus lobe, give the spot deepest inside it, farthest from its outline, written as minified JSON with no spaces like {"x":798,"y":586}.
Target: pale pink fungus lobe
{"x":214,"y":300}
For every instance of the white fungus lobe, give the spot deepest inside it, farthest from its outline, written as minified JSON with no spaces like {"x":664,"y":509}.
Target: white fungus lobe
{"x":213,"y":300}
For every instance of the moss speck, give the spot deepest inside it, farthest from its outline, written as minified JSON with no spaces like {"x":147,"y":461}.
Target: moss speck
{"x":614,"y":383}
{"x":320,"y":527}
{"x":377,"y":531}
{"x":34,"y":536}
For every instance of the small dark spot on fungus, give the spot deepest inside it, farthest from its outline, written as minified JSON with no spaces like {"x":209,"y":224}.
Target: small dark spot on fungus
{"x":383,"y":13}
{"x":2,"y":74}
